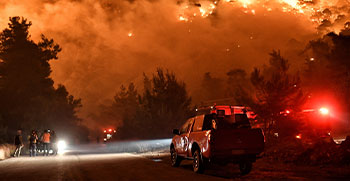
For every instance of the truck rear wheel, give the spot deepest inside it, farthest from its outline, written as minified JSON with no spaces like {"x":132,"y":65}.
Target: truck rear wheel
{"x":175,"y":159}
{"x":245,"y":167}
{"x":198,"y":165}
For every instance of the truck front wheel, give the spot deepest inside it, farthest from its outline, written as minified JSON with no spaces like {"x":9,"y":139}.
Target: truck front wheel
{"x":198,"y":165}
{"x":245,"y":167}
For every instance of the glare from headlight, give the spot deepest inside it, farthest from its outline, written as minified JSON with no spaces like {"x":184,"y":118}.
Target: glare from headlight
{"x":61,"y":146}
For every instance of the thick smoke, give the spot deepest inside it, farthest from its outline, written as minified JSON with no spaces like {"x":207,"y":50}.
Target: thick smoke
{"x":107,"y":43}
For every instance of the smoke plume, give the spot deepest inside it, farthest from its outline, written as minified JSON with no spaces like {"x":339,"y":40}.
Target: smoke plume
{"x":107,"y":43}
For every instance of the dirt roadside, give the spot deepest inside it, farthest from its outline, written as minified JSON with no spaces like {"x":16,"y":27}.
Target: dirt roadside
{"x":263,"y":169}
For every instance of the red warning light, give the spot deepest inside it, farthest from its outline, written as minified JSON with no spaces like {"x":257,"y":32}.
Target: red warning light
{"x":104,"y":131}
{"x":110,"y":130}
{"x":324,"y":111}
{"x":298,"y":136}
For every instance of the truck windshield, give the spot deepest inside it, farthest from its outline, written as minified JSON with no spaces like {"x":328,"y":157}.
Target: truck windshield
{"x":213,"y":121}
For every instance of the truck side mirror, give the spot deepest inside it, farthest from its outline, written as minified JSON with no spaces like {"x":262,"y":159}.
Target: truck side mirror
{"x":176,"y":132}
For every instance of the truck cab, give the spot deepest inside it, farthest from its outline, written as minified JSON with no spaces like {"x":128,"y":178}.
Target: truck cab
{"x":221,"y":134}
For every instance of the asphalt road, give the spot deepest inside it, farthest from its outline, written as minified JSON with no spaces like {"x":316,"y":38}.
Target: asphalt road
{"x":150,"y":166}
{"x":121,"y":166}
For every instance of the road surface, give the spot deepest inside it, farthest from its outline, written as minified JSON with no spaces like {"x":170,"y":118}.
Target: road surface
{"x":148,"y":166}
{"x":121,"y":166}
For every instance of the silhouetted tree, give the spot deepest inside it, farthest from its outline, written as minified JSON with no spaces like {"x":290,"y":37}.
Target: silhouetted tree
{"x":238,"y":86}
{"x":276,"y":90}
{"x":27,"y":95}
{"x":127,"y":107}
{"x":163,"y":105}
{"x":167,"y":103}
{"x":211,"y":90}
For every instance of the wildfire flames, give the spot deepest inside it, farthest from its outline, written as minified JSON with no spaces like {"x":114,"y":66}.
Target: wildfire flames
{"x":318,"y":11}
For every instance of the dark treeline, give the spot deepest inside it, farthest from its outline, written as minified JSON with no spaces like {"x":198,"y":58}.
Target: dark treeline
{"x":162,"y":105}
{"x":28,"y":98}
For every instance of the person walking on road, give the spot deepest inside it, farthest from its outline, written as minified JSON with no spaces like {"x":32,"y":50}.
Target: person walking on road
{"x":46,"y":142}
{"x":33,"y":140}
{"x":18,"y":143}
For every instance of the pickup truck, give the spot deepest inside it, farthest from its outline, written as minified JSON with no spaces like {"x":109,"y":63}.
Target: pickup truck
{"x":222,"y":135}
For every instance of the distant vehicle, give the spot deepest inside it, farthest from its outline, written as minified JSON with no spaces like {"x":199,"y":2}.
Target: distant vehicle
{"x":220,"y":134}
{"x":317,"y":122}
{"x":108,"y":134}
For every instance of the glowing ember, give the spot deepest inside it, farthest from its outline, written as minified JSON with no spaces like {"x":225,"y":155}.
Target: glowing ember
{"x":181,"y":18}
{"x":292,"y":3}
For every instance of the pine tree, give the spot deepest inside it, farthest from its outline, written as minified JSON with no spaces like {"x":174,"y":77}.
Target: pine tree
{"x":27,"y":94}
{"x":276,"y":90}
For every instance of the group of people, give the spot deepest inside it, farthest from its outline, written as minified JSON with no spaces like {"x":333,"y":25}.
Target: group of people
{"x":45,"y":142}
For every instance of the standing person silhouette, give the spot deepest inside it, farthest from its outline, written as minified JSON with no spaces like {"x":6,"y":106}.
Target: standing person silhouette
{"x":18,"y":143}
{"x":33,"y":140}
{"x":46,"y":142}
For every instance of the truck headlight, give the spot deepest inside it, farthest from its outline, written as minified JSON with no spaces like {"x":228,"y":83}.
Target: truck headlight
{"x":61,"y":147}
